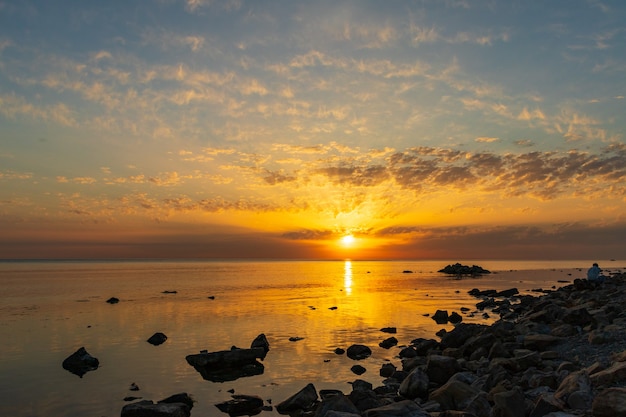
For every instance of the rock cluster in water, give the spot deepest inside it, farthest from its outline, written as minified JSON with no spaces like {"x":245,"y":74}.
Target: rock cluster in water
{"x":459,"y":270}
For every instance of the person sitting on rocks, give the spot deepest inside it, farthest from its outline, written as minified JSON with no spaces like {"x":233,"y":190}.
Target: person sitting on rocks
{"x":594,"y":274}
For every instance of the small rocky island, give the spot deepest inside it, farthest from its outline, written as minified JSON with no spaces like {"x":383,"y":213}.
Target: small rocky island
{"x":460,"y":270}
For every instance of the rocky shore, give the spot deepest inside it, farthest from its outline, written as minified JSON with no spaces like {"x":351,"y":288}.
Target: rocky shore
{"x":559,"y":354}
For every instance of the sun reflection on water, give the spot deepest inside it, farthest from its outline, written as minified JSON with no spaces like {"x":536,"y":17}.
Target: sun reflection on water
{"x":347,"y":276}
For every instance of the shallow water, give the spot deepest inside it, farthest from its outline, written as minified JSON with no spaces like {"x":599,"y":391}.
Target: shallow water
{"x":50,"y":309}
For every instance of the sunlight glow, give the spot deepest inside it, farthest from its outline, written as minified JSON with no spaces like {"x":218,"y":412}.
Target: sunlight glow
{"x":347,"y":240}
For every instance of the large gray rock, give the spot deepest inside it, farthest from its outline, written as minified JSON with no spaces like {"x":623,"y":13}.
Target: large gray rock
{"x":302,"y":400}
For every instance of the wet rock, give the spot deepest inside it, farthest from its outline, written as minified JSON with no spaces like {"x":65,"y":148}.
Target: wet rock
{"x":440,"y":368}
{"x":228,"y":365}
{"x":261,"y":342}
{"x":387,"y":369}
{"x":358,"y":370}
{"x":365,"y":399}
{"x":113,"y":300}
{"x":575,"y":390}
{"x":241,"y":405}
{"x":415,"y":385}
{"x":610,"y":403}
{"x":440,"y":316}
{"x":455,"y":318}
{"x":147,"y":408}
{"x":358,"y":352}
{"x":509,"y":404}
{"x":616,"y":373}
{"x":389,"y":330}
{"x":337,"y":403}
{"x":157,"y":339}
{"x":403,"y":408}
{"x":340,"y":351}
{"x":508,"y":293}
{"x":454,"y":395}
{"x":388,"y":343}
{"x":183,"y":397}
{"x":302,"y":400}
{"x":80,"y":362}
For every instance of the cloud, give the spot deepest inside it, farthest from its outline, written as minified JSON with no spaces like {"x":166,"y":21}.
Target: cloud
{"x":485,"y":139}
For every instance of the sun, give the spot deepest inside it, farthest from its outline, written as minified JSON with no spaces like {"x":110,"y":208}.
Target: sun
{"x":347,"y":240}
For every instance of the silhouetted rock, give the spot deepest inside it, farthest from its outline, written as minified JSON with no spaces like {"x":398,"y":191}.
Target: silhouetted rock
{"x":148,"y":408}
{"x":358,"y":352}
{"x":157,"y":339}
{"x":228,"y":365}
{"x":80,"y":362}
{"x":241,"y":405}
{"x":458,"y":269}
{"x":304,"y":399}
{"x":113,"y":300}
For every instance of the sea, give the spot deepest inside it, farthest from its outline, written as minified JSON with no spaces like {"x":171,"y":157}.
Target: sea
{"x":306,"y":310}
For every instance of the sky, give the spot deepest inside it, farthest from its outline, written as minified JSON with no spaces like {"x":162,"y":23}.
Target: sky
{"x":431,"y":129}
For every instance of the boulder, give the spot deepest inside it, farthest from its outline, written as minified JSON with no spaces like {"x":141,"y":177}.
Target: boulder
{"x":241,"y":405}
{"x":616,"y":373}
{"x":365,"y":399}
{"x":147,"y":408}
{"x":358,"y":370}
{"x":228,"y":365}
{"x":415,"y":385}
{"x":575,"y":390}
{"x":337,"y":403}
{"x":157,"y":339}
{"x":509,"y":404}
{"x":387,"y":369}
{"x":261,"y":342}
{"x":388,"y":343}
{"x":455,"y":318}
{"x":80,"y":362}
{"x":405,"y":408}
{"x":302,"y":400}
{"x":440,"y":368}
{"x":440,"y":316}
{"x":358,"y":352}
{"x":454,"y":395}
{"x":610,"y":403}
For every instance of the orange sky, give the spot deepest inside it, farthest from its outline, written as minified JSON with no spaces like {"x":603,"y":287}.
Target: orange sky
{"x":237,"y":129}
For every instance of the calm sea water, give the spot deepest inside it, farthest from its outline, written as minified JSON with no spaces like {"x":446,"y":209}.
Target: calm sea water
{"x":50,"y":309}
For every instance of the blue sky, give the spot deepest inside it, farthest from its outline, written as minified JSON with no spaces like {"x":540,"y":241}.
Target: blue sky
{"x":494,"y":128}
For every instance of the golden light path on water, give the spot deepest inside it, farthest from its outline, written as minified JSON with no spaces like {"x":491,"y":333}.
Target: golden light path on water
{"x":347,"y":276}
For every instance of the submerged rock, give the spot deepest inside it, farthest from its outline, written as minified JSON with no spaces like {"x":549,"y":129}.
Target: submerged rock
{"x":148,"y":408}
{"x":80,"y":362}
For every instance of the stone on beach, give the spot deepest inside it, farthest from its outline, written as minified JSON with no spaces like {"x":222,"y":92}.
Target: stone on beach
{"x":302,"y":400}
{"x":147,"y":408}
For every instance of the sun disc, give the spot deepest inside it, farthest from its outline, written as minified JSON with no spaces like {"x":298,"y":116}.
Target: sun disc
{"x":347,"y":240}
